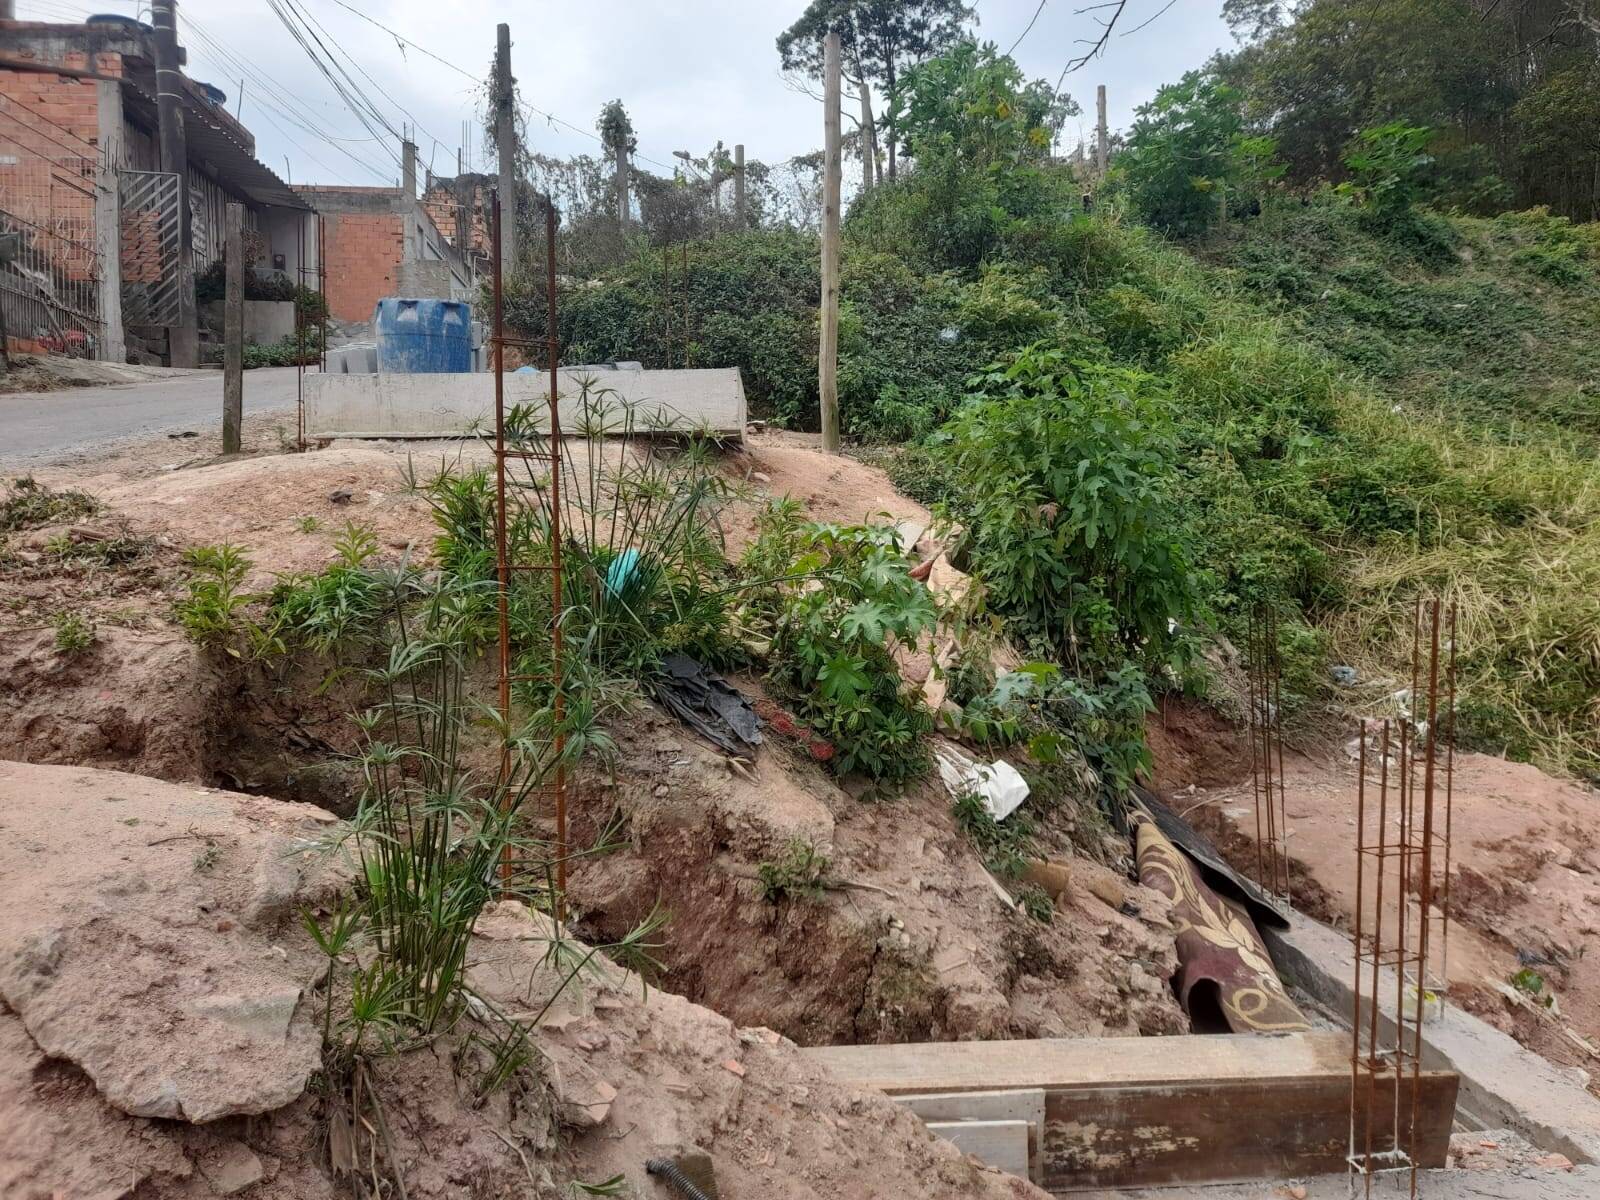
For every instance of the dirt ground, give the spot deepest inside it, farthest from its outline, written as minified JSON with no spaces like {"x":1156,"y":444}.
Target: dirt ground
{"x":911,"y":946}
{"x":1524,"y":882}
{"x":158,"y":1036}
{"x":908,"y":937}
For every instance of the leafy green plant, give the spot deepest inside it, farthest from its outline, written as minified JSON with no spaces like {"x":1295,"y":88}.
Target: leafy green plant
{"x":837,"y":599}
{"x":1388,"y":165}
{"x":1187,"y":145}
{"x":1005,"y":845}
{"x":1062,"y":486}
{"x":209,"y":611}
{"x":75,"y":633}
{"x":796,"y":875}
{"x":1036,"y":902}
{"x":336,"y":611}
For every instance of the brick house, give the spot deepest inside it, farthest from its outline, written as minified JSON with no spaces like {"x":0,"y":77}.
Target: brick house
{"x":80,"y":181}
{"x":384,"y":241}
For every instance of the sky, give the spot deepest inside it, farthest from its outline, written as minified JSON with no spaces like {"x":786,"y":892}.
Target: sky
{"x":690,"y":71}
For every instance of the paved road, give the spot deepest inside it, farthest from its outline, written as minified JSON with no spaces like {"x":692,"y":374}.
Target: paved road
{"x":38,"y":426}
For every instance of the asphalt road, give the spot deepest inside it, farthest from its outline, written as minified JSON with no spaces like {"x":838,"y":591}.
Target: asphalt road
{"x":36,"y":427}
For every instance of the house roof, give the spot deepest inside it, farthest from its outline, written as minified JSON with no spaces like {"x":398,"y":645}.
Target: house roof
{"x":211,"y":142}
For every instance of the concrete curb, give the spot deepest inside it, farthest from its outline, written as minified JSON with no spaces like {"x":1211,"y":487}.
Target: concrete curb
{"x":1503,"y":1085}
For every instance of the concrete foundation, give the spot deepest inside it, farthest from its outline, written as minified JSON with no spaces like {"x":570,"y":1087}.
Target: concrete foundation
{"x":1503,"y":1085}
{"x":454,"y":405}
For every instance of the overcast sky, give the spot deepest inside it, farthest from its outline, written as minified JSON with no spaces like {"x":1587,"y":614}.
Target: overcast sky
{"x":689,"y":71}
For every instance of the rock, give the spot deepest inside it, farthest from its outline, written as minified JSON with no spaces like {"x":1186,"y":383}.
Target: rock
{"x":110,"y":951}
{"x":1553,"y":1162}
{"x":231,"y":1168}
{"x":734,"y":1066}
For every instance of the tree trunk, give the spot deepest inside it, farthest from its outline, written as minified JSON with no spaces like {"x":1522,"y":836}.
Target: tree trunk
{"x":869,"y":134}
{"x":892,"y":139}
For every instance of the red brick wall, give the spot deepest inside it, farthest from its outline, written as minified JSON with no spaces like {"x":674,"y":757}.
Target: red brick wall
{"x":63,"y":101}
{"x":363,"y":252}
{"x":49,"y":154}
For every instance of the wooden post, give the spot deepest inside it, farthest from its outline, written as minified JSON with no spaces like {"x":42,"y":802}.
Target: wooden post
{"x":738,"y":185}
{"x":828,"y":349}
{"x":505,"y":140}
{"x":622,"y":189}
{"x":1102,"y":149}
{"x":233,"y":333}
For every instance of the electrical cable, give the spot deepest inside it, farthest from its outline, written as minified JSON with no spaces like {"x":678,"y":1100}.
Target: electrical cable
{"x":548,"y":116}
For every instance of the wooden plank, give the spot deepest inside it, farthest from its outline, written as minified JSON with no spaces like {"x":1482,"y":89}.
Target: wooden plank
{"x":1023,"y":1105}
{"x":1069,"y":1062}
{"x":1225,"y":1132}
{"x":1002,"y":1144}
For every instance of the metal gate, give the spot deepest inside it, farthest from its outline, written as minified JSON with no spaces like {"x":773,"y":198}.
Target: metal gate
{"x":148,"y":235}
{"x":50,"y":268}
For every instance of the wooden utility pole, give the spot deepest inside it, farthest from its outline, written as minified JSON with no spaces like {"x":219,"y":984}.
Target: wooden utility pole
{"x":505,"y":130}
{"x":1102,"y":148}
{"x":622,"y":188}
{"x":828,"y":353}
{"x":233,"y":332}
{"x":183,"y":339}
{"x":738,"y":186}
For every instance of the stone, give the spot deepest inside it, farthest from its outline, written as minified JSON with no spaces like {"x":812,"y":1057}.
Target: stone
{"x":1553,"y":1162}
{"x":734,"y":1066}
{"x":167,"y":1015}
{"x":231,"y":1168}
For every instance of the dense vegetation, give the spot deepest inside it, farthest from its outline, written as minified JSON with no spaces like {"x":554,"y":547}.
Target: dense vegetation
{"x":1511,"y":86}
{"x":1330,"y":402}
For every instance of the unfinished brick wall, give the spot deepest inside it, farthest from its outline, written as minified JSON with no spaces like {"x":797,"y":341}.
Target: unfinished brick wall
{"x":50,"y":143}
{"x":363,"y":252}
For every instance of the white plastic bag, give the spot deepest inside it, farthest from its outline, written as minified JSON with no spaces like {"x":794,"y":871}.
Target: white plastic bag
{"x":1001,"y":787}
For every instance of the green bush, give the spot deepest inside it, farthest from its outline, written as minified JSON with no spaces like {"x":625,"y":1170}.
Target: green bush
{"x":838,"y":598}
{"x":1063,"y":476}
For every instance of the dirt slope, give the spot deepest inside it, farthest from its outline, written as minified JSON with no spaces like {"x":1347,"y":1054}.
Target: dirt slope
{"x":149,"y":930}
{"x":1525,"y":882}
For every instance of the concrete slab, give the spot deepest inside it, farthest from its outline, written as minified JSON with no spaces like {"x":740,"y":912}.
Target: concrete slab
{"x":1581,"y":1183}
{"x":391,"y":406}
{"x":1503,"y":1085}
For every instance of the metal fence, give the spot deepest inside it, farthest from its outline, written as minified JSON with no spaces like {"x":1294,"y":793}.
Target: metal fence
{"x":149,"y":236}
{"x":50,"y":281}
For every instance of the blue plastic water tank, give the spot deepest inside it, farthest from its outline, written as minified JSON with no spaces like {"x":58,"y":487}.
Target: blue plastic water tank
{"x":423,"y":337}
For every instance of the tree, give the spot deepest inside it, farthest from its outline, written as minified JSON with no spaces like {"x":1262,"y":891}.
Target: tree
{"x":1316,"y":72}
{"x":976,"y":102}
{"x":1184,"y":145}
{"x":880,"y":38}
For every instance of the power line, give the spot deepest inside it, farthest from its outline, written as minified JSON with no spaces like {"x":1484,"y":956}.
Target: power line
{"x":476,"y":78}
{"x":359,"y":103}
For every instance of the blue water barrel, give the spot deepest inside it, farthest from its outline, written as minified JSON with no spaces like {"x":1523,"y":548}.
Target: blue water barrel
{"x":423,"y":337}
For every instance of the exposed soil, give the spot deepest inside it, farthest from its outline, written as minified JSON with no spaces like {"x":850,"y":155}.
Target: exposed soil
{"x":1524,"y":879}
{"x":911,"y":943}
{"x":115,"y":1002}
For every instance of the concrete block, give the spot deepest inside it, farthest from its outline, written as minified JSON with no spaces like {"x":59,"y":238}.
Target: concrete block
{"x":454,"y":405}
{"x":1503,"y":1085}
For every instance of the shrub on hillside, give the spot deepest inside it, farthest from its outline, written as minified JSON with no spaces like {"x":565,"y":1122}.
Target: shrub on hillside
{"x":1062,"y":474}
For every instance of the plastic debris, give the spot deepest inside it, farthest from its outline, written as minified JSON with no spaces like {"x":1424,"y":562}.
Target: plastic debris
{"x":1344,"y":676}
{"x":707,"y":703}
{"x":999,"y":785}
